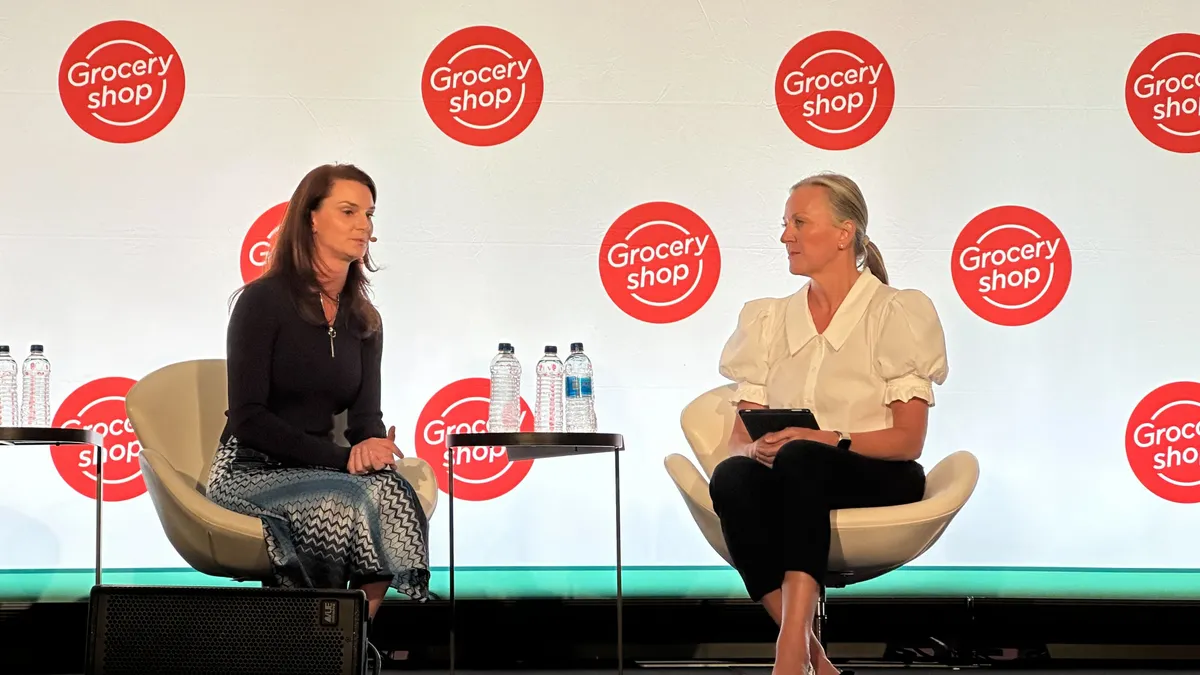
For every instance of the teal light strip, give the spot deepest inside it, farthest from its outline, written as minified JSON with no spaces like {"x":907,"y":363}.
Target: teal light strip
{"x":676,"y":582}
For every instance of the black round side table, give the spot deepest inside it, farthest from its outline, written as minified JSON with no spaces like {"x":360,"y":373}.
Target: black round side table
{"x":523,"y":445}
{"x":52,"y":436}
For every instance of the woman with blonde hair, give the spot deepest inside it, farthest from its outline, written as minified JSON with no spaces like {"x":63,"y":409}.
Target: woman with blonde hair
{"x":864,"y":357}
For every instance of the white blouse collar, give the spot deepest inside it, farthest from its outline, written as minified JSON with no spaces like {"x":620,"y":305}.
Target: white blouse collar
{"x":798,"y":323}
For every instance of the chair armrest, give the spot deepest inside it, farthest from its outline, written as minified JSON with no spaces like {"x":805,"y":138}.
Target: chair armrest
{"x":419,"y":474}
{"x":690,"y":482}
{"x":694,"y":488}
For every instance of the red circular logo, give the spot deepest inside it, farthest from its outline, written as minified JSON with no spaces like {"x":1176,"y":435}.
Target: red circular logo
{"x":482,"y":86}
{"x":480,"y":473}
{"x":256,"y":247}
{"x":659,"y":262}
{"x":1162,"y":442}
{"x":100,"y":405}
{"x":121,"y":82}
{"x":834,"y":90}
{"x":1011,"y":265}
{"x":1162,"y":92}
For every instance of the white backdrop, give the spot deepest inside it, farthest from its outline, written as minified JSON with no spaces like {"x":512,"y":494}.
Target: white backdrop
{"x":121,"y":240}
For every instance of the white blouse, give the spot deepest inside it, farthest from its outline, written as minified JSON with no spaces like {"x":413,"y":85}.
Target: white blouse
{"x":883,"y":345}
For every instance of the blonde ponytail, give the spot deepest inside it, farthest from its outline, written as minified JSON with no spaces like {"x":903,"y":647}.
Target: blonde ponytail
{"x":874,"y":260}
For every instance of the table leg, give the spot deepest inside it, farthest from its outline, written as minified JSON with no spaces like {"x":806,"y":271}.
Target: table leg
{"x":821,"y":619}
{"x":450,"y":493}
{"x":99,"y":503}
{"x":620,"y":604}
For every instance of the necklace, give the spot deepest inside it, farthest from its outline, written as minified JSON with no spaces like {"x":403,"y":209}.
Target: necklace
{"x":332,"y":332}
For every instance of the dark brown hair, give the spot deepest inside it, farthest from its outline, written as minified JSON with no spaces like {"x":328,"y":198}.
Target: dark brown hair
{"x":293,"y":253}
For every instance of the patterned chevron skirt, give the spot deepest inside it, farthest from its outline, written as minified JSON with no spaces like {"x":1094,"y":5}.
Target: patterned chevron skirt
{"x":326,"y":528}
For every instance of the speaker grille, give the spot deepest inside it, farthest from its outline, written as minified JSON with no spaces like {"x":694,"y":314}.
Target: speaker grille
{"x":203,"y":634}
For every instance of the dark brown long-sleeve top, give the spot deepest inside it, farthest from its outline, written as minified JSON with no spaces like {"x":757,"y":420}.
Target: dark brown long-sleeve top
{"x":285,"y":387}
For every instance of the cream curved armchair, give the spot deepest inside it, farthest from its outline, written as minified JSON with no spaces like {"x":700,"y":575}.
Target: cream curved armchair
{"x":866,"y":542}
{"x":178,"y":413}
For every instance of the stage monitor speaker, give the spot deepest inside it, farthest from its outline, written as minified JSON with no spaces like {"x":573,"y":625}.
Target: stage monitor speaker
{"x":155,"y":630}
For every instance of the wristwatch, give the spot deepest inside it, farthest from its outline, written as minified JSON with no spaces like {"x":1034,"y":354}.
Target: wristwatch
{"x":843,"y":440}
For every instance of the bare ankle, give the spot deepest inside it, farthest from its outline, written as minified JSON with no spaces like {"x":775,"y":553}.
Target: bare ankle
{"x":791,"y":653}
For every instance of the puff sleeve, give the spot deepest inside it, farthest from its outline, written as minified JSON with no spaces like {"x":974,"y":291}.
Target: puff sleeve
{"x":911,"y":349}
{"x":744,"y":358}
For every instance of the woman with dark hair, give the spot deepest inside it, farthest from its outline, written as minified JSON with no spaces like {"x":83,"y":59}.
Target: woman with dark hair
{"x":304,"y":345}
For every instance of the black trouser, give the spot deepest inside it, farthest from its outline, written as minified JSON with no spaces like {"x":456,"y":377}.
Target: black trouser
{"x":776,"y":519}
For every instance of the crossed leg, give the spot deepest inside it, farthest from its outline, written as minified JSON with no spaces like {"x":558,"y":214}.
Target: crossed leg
{"x":775,"y":522}
{"x":821,"y":665}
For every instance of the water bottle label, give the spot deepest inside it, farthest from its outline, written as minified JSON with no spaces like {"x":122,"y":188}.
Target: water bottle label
{"x":579,"y":387}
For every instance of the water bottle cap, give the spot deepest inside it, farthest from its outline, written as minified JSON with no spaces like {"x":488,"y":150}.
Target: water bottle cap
{"x":506,"y":347}
{"x":3,"y":349}
{"x":576,"y":346}
{"x":551,"y":349}
{"x":36,"y":349}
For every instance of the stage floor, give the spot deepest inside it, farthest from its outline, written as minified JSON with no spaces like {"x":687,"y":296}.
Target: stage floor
{"x":765,"y":670}
{"x":740,"y":670}
{"x":1130,"y":669}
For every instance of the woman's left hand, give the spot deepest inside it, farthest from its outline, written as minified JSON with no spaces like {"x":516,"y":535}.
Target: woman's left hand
{"x":375,"y":454}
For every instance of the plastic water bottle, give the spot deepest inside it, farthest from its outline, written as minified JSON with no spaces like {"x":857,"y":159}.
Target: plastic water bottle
{"x":580,"y":404}
{"x":549,"y":413}
{"x":9,"y":386}
{"x":504,"y":401}
{"x":35,"y":389}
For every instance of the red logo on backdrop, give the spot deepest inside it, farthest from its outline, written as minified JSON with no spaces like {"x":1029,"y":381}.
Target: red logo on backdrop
{"x":1011,"y":265}
{"x":482,"y":86}
{"x":480,"y":473}
{"x":121,"y":82}
{"x":100,"y":405}
{"x":1162,"y":441}
{"x":1162,"y":92}
{"x":834,"y":90}
{"x":659,"y":262}
{"x":256,"y":247}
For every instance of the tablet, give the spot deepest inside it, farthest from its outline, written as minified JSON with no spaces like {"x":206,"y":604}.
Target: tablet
{"x":762,"y":421}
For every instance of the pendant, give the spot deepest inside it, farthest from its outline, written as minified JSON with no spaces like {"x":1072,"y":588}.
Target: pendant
{"x":332,"y":334}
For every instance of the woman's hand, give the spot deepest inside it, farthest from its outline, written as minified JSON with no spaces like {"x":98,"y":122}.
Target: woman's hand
{"x":764,"y":449}
{"x":374,"y":454}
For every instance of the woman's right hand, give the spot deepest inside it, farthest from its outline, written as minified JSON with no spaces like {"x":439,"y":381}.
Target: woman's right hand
{"x":765,"y":448}
{"x":373,"y":454}
{"x":762,"y":451}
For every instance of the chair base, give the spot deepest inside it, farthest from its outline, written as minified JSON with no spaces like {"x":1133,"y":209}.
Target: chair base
{"x":942,"y":653}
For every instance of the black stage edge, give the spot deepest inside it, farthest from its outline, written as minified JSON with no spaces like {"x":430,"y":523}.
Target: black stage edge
{"x":544,"y":634}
